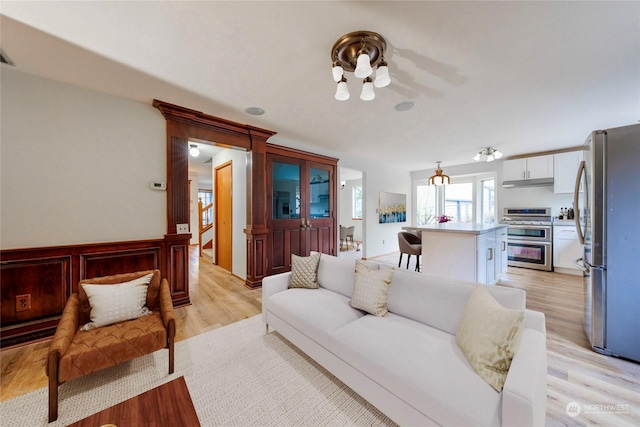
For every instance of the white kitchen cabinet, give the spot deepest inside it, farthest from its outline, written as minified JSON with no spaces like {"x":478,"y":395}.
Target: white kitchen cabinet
{"x":566,"y":248}
{"x":528,"y":168}
{"x":565,"y":169}
{"x":486,"y":258}
{"x":502,"y":255}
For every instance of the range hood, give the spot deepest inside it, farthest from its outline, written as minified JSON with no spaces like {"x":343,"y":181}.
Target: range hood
{"x":540,"y":182}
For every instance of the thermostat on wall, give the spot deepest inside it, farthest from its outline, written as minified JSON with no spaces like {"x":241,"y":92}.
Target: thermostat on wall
{"x":157,"y":185}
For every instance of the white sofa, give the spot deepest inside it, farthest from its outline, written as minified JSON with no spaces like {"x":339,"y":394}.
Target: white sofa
{"x":408,"y":364}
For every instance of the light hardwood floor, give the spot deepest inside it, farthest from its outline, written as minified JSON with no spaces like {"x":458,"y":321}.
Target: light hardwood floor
{"x":575,"y":373}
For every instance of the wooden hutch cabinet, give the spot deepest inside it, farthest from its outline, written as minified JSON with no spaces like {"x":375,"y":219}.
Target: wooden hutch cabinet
{"x":301,"y":206}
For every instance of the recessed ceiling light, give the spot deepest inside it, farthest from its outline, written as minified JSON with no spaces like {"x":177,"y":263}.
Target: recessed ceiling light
{"x":254,"y":111}
{"x":404,"y":106}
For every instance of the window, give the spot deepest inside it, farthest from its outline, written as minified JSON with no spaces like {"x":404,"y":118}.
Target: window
{"x":458,"y":202}
{"x":468,"y":199}
{"x":426,"y":204}
{"x":356,"y":202}
{"x":488,"y":201}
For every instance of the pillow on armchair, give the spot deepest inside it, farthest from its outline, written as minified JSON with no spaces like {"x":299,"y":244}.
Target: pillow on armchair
{"x":117,"y":302}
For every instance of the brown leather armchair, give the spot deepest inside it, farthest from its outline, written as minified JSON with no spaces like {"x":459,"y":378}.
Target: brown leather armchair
{"x":410,"y":244}
{"x":74,"y":352}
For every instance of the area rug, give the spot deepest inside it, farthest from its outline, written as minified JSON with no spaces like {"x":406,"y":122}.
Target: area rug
{"x":237,"y":376}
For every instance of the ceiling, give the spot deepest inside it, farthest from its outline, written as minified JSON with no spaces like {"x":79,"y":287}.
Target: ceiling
{"x":521,"y":76}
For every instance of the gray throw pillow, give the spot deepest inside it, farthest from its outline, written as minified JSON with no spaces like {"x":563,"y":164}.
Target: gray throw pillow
{"x":304,"y":271}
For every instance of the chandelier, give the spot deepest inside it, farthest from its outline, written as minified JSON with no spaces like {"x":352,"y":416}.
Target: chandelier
{"x":359,"y":52}
{"x":439,"y":177}
{"x":490,"y":153}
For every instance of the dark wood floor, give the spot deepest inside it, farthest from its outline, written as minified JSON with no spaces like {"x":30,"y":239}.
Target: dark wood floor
{"x":575,"y":373}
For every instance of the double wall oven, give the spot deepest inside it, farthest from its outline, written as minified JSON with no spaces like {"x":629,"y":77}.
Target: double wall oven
{"x":529,"y":237}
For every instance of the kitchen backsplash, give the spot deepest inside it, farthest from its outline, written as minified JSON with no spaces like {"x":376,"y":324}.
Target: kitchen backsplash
{"x":534,"y":197}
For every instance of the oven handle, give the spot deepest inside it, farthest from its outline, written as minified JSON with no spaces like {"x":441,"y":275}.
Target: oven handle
{"x":530,"y":227}
{"x":530,"y":242}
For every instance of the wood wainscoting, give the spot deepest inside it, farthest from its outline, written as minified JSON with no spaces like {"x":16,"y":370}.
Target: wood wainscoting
{"x":36,"y":282}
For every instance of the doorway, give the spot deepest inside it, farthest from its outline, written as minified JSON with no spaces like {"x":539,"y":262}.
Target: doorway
{"x":351,"y":207}
{"x":223,"y":206}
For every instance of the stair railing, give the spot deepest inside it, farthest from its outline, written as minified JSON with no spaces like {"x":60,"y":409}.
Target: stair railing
{"x":205,"y":221}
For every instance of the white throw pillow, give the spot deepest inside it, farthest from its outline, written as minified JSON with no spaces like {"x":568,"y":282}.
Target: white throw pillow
{"x":371,"y":289}
{"x":489,"y":335}
{"x":118,"y":302}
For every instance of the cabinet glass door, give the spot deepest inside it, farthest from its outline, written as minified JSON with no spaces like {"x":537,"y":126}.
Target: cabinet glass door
{"x":285,"y":187}
{"x":319,"y":193}
{"x":286,"y":217}
{"x":320,"y":233}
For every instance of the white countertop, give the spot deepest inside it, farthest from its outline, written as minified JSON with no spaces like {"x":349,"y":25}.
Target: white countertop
{"x":457,"y":227}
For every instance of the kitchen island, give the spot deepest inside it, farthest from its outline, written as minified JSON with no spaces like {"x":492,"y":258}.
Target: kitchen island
{"x":461,"y":251}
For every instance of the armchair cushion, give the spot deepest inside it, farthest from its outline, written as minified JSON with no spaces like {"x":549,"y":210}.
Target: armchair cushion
{"x":106,"y":346}
{"x":114,"y":303}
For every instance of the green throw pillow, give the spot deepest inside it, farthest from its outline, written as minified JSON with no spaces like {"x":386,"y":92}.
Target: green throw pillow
{"x":304,"y":271}
{"x":489,"y":335}
{"x":371,"y":289}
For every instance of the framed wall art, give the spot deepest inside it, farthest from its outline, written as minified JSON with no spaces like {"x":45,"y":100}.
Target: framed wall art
{"x":392,"y":208}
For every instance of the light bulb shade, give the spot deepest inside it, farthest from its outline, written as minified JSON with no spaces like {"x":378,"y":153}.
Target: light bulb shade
{"x":367,"y":90}
{"x":342,"y":93}
{"x":363,"y":66}
{"x":490,"y":158}
{"x":194,"y":151}
{"x":438,"y":178}
{"x":476,"y":157}
{"x":382,"y":76}
{"x":337,"y":72}
{"x":497,"y":154}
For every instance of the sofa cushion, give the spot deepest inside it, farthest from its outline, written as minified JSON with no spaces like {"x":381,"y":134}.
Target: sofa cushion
{"x":337,"y":274}
{"x":304,"y":271}
{"x":489,"y":335}
{"x":116,"y":302}
{"x":371,"y":289}
{"x":100,"y":348}
{"x":438,"y":302}
{"x":421,"y":365}
{"x":314,"y":312}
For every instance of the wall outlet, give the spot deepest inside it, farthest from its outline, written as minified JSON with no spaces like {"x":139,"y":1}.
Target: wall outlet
{"x":23,"y":302}
{"x":182,"y":228}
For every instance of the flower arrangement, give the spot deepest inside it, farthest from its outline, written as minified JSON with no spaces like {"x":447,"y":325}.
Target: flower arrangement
{"x":444,"y":218}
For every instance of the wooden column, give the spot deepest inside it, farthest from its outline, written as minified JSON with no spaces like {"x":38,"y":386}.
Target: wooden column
{"x":256,"y":230}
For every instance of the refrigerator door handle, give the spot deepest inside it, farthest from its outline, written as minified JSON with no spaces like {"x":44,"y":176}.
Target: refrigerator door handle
{"x":581,"y":169}
{"x":580,"y":265}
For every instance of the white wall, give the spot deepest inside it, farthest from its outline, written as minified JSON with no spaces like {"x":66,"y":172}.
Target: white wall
{"x":75,"y":165}
{"x":84,"y":175}
{"x":238,"y":160}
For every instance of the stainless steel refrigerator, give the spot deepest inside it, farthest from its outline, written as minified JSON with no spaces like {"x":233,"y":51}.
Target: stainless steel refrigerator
{"x":607,"y":207}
